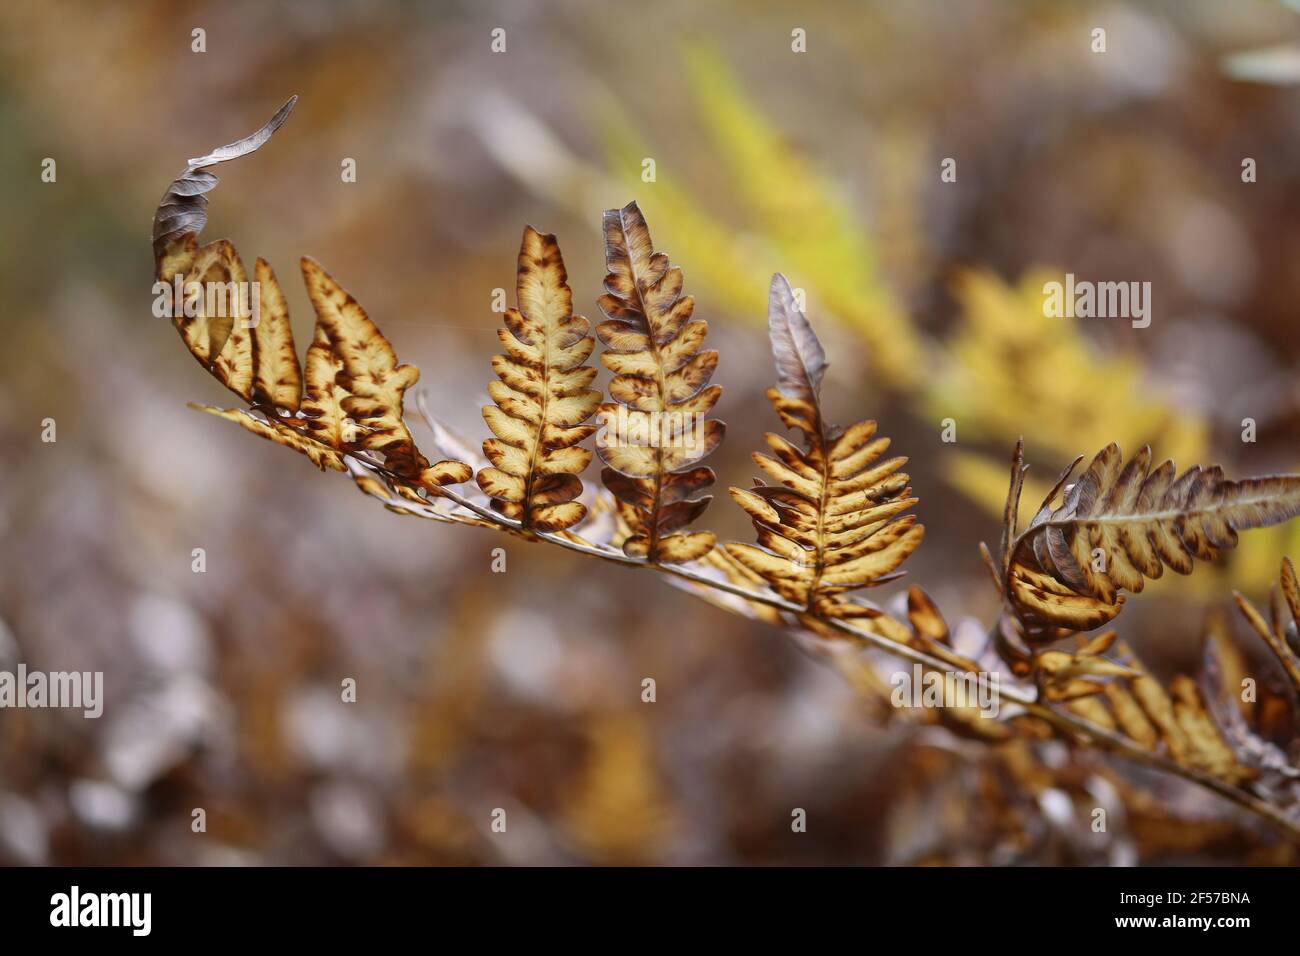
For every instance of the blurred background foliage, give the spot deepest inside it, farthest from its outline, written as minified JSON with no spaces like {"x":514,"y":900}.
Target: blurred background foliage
{"x":521,"y":690}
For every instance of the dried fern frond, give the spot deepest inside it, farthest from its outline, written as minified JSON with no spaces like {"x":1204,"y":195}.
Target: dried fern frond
{"x":247,"y":364}
{"x":218,"y":334}
{"x":1119,"y":524}
{"x":1174,"y":722}
{"x":1066,"y":675}
{"x":833,"y":520}
{"x":354,"y":386}
{"x":542,"y":398}
{"x":655,"y":433}
{"x":323,"y":415}
{"x":1201,"y":726}
{"x":374,"y":381}
{"x":830,"y":512}
{"x":277,"y":379}
{"x":183,"y":209}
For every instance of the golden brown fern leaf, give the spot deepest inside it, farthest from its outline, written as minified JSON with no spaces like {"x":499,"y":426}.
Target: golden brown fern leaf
{"x":655,"y":433}
{"x":277,"y":379}
{"x":215,"y":316}
{"x":214,"y":311}
{"x":323,"y":415}
{"x":1201,"y":725}
{"x":354,"y":388}
{"x":833,"y":519}
{"x":542,"y":398}
{"x":239,"y":331}
{"x":183,"y":210}
{"x":1175,"y":721}
{"x":1069,"y":675}
{"x":368,"y":371}
{"x":236,"y":330}
{"x":1119,"y":524}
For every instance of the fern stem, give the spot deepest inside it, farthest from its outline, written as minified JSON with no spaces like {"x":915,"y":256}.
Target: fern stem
{"x":1071,"y":725}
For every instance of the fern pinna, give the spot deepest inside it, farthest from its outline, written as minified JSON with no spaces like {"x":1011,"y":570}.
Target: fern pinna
{"x":542,"y":397}
{"x":833,"y":521}
{"x":830,"y":511}
{"x":1122,"y":523}
{"x":658,"y":432}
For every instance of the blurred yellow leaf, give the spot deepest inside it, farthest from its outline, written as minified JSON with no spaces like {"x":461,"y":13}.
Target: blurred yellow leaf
{"x":805,"y":226}
{"x":1012,"y":370}
{"x":618,"y":812}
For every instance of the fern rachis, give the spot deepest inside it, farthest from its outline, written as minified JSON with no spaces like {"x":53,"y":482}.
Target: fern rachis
{"x":833,"y":519}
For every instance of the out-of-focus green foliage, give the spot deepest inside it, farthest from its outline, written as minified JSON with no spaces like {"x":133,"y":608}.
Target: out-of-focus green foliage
{"x":799,"y":222}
